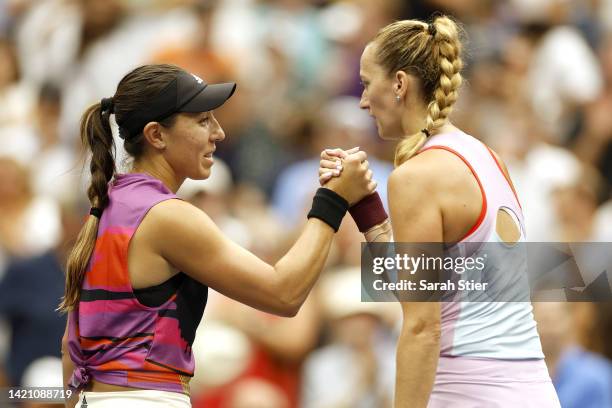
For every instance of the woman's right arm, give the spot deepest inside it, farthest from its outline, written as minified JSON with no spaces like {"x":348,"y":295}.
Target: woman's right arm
{"x":188,"y":239}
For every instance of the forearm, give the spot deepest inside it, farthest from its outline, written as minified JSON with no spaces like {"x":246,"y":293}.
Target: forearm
{"x":299,"y":269}
{"x":417,"y":360}
{"x":380,"y":233}
{"x":287,"y":339}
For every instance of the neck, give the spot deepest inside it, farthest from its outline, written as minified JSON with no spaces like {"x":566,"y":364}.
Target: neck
{"x":161,"y":171}
{"x":412,"y":120}
{"x":418,"y":113}
{"x":446,"y":128}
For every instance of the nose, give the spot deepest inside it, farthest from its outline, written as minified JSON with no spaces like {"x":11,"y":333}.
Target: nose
{"x":218,"y":134}
{"x":364,"y":103}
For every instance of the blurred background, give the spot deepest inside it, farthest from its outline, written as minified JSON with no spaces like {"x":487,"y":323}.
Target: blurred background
{"x":538,"y":90}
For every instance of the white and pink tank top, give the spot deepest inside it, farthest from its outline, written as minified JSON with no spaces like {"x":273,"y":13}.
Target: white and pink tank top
{"x":499,"y":330}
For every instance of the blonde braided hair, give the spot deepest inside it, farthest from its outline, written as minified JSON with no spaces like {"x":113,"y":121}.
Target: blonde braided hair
{"x":432,"y":53}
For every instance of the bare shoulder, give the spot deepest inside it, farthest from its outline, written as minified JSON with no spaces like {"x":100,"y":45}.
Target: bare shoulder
{"x":173,"y":222}
{"x":175,"y":210}
{"x":432,"y":195}
{"x":425,"y":174}
{"x":414,"y":202}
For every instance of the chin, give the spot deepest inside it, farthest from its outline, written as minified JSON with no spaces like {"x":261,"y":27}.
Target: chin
{"x":382,"y":132}
{"x":384,"y":135}
{"x":379,"y":131}
{"x":203,"y":174}
{"x":389,"y":133}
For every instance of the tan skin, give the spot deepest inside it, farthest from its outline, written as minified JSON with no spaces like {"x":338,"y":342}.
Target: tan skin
{"x":192,"y":243}
{"x":433,"y":197}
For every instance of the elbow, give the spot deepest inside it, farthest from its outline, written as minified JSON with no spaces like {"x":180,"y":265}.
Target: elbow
{"x":290,"y":312}
{"x":288,"y":307}
{"x":423,"y":331}
{"x":288,"y":303}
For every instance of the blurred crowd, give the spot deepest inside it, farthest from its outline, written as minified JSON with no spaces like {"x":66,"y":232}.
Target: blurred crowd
{"x":538,"y":90}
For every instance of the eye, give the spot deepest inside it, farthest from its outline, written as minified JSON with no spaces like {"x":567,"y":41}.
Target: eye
{"x":205,"y":120}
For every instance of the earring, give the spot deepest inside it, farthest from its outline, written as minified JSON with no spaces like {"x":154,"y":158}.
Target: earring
{"x":397,"y":98}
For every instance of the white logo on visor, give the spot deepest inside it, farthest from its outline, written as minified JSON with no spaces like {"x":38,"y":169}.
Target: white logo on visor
{"x":197,"y":78}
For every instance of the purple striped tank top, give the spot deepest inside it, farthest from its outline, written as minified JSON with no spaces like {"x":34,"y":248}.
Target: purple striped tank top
{"x":113,"y":337}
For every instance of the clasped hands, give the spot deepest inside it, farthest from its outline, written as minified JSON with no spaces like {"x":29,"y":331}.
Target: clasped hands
{"x":337,"y":164}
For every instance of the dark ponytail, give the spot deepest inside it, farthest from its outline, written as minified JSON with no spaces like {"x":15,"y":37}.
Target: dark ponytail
{"x":96,"y":135}
{"x":135,"y":90}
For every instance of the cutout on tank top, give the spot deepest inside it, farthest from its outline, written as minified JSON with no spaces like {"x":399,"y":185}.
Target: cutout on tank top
{"x":507,"y":226}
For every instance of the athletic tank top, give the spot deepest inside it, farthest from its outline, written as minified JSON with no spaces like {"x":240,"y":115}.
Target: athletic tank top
{"x":113,"y":337}
{"x":501,"y":330}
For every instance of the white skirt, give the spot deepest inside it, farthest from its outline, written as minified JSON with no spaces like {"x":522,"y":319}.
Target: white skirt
{"x":133,"y":399}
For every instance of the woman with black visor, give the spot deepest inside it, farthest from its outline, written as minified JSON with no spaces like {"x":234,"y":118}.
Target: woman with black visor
{"x":138,"y":275}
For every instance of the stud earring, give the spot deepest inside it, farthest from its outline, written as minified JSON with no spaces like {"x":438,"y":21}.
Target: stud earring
{"x":397,"y":98}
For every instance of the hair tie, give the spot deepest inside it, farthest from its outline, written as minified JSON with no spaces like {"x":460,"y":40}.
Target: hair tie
{"x":96,"y":212}
{"x":431,"y":29}
{"x":107,"y":104}
{"x":426,"y":132}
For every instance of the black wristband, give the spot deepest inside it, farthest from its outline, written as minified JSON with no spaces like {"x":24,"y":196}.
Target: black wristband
{"x":329,"y":207}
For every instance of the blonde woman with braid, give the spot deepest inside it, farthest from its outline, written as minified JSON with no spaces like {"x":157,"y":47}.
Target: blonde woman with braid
{"x":450,"y":188}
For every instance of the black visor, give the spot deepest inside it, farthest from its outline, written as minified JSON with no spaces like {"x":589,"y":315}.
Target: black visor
{"x":185,"y":93}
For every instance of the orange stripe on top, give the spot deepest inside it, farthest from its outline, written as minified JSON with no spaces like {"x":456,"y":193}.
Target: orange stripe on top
{"x":504,"y":174}
{"x":149,"y":375}
{"x":109,"y":265}
{"x":483,"y":210}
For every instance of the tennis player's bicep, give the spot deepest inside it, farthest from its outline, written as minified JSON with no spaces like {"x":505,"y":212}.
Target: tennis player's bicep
{"x":416,"y":218}
{"x":415,"y":214}
{"x":191,"y":242}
